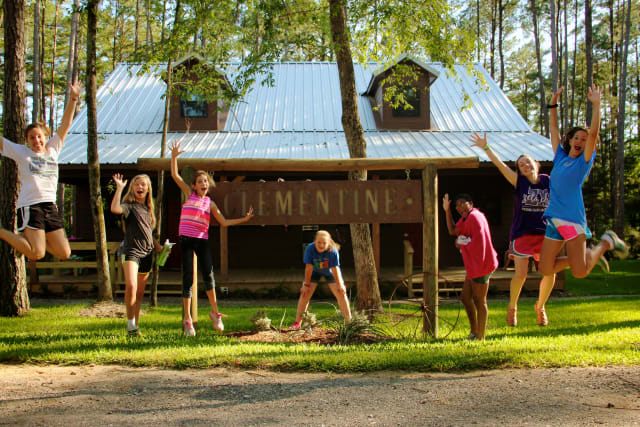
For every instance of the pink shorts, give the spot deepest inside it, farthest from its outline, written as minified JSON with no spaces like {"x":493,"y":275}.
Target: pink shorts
{"x":526,"y":246}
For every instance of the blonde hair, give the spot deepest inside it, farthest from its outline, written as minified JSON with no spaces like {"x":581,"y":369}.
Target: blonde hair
{"x":129,"y":197}
{"x":325,"y":233}
{"x":38,"y":125}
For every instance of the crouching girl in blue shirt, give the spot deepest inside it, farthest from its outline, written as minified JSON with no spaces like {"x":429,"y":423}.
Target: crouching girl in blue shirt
{"x":321,"y":259}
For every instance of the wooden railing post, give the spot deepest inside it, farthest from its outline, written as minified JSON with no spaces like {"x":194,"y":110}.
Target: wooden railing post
{"x":430,"y":249}
{"x":408,"y":264}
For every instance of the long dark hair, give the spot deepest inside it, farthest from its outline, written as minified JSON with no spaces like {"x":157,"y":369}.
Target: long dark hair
{"x":567,"y":137}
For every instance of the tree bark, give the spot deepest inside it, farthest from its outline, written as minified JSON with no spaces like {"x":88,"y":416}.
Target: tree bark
{"x":588,"y":50}
{"x":53,"y":69}
{"x":619,"y":170}
{"x":97,"y":212}
{"x":14,"y":299}
{"x":137,"y":27}
{"x":554,"y":47}
{"x":565,"y":70}
{"x":492,"y":42}
{"x":544,"y":114}
{"x":72,"y":48}
{"x":368,"y":299}
{"x":500,"y":47}
{"x":36,"y":62}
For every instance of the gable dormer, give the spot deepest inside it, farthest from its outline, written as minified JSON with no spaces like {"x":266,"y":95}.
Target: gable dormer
{"x":192,"y":112}
{"x":410,"y":77}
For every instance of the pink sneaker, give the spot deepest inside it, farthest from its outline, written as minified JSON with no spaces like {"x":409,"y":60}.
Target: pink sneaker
{"x":187,"y":328}
{"x":295,"y":326}
{"x":216,"y":320}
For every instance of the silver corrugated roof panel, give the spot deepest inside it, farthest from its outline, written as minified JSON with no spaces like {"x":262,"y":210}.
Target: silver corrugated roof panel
{"x":127,"y":148}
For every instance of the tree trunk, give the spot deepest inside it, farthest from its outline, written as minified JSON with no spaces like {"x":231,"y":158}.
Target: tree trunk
{"x":14,"y":299}
{"x":500,"y":47}
{"x":72,"y":48}
{"x":554,"y":47}
{"x":163,"y":149}
{"x":53,"y":69}
{"x":478,"y":28}
{"x":544,"y":114}
{"x":588,"y":50}
{"x":43,"y":96}
{"x":36,"y":62}
{"x":149,"y":36}
{"x":137,"y":27}
{"x":573,"y":114}
{"x":366,"y":276}
{"x":619,"y":171}
{"x":565,"y":70}
{"x":492,"y":42}
{"x":164,"y":21}
{"x":97,"y":212}
{"x":637,"y":87}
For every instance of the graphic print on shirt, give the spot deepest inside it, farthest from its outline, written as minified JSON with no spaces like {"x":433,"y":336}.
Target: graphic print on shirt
{"x":320,"y":264}
{"x":535,"y":200}
{"x":42,"y":165}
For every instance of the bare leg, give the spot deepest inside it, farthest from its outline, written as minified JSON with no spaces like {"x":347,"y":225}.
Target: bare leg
{"x":550,"y":262}
{"x":305,"y":296}
{"x":546,"y":286}
{"x":581,"y":259}
{"x":32,"y":244}
{"x":186,"y":308}
{"x":57,"y":244}
{"x":480,"y":301}
{"x":211,"y":294}
{"x":340,"y":292}
{"x":130,"y":269}
{"x":142,"y":283}
{"x":470,"y":308}
{"x":519,"y":276}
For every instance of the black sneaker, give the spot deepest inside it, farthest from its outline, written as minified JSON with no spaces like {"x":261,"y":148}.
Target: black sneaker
{"x":134,"y":332}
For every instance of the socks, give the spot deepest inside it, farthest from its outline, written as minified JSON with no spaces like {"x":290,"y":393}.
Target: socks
{"x":609,"y":240}
{"x":131,"y":324}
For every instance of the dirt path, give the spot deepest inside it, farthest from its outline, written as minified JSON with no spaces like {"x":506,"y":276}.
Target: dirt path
{"x":112,"y":395}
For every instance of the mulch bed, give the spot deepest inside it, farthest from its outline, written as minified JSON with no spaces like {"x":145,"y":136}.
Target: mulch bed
{"x":106,"y":309}
{"x":316,"y":335}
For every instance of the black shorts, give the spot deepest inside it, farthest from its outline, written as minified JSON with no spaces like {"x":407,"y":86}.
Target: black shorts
{"x":315,"y":277}
{"x":144,"y":263}
{"x":41,"y":216}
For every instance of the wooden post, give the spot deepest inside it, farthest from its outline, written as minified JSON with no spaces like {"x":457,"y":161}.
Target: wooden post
{"x":224,"y":253}
{"x":430,"y":249}
{"x":375,"y":237}
{"x":408,"y":264}
{"x":194,"y":297}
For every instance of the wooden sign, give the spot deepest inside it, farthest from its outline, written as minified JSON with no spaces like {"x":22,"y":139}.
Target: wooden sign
{"x":322,"y":202}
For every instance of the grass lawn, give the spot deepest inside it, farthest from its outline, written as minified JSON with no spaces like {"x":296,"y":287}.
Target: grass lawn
{"x":624,"y":279}
{"x":593,"y":331}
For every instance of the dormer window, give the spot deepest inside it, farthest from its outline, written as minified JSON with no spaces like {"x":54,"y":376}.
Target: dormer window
{"x":411,"y":97}
{"x":193,"y":107}
{"x":399,"y":94}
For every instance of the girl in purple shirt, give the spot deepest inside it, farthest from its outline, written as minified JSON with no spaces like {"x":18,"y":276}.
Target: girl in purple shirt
{"x":531,"y":198}
{"x":194,"y":238}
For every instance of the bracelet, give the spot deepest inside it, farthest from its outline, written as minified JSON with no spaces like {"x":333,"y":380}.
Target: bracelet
{"x":486,"y":147}
{"x":552,"y":105}
{"x":74,"y":99}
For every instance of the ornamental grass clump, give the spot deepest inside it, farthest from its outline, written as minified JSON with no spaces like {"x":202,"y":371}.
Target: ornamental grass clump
{"x":354,"y":330}
{"x":308,"y":320}
{"x":260,"y":321}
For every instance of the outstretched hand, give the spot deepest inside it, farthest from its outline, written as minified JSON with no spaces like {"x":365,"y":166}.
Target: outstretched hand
{"x":556,"y":95}
{"x":595,"y":94}
{"x":118,"y":179}
{"x":175,"y":148}
{"x":249,"y":214}
{"x":446,"y":203}
{"x":479,"y":141}
{"x":76,"y":89}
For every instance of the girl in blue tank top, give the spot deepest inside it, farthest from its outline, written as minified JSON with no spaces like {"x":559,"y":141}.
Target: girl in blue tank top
{"x":565,"y":216}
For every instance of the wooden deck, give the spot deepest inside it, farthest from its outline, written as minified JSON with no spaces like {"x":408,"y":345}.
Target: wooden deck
{"x":169,"y":282}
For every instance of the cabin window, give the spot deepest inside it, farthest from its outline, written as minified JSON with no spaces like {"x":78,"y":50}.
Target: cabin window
{"x":411,"y":97}
{"x":192,"y":106}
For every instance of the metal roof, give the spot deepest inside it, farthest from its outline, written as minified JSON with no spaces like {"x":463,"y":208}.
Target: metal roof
{"x":299,"y":117}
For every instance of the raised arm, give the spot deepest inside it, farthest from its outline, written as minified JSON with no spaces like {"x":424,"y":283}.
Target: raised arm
{"x":553,"y":120}
{"x":505,"y":170}
{"x":594,"y":96}
{"x":116,"y":208}
{"x":229,"y":222}
{"x":175,"y":152}
{"x":69,"y":110}
{"x":446,"y":205}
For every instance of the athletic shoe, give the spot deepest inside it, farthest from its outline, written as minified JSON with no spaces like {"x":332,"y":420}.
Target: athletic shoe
{"x":512,"y":316}
{"x":603,"y":264}
{"x":187,"y":328}
{"x":295,"y":326}
{"x":616,"y":243}
{"x":541,"y":315}
{"x":472,"y":337}
{"x":134,"y":333}
{"x":216,"y":320}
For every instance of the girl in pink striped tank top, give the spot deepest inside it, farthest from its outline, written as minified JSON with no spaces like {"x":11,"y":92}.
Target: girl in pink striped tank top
{"x":194,"y":238}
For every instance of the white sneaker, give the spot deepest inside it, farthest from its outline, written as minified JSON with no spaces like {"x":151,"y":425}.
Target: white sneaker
{"x":187,"y":328}
{"x":216,"y":320}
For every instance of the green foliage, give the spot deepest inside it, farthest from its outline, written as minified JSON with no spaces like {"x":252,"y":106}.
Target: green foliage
{"x":354,"y":330}
{"x":624,"y":279}
{"x":308,"y":320}
{"x":592,"y":332}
